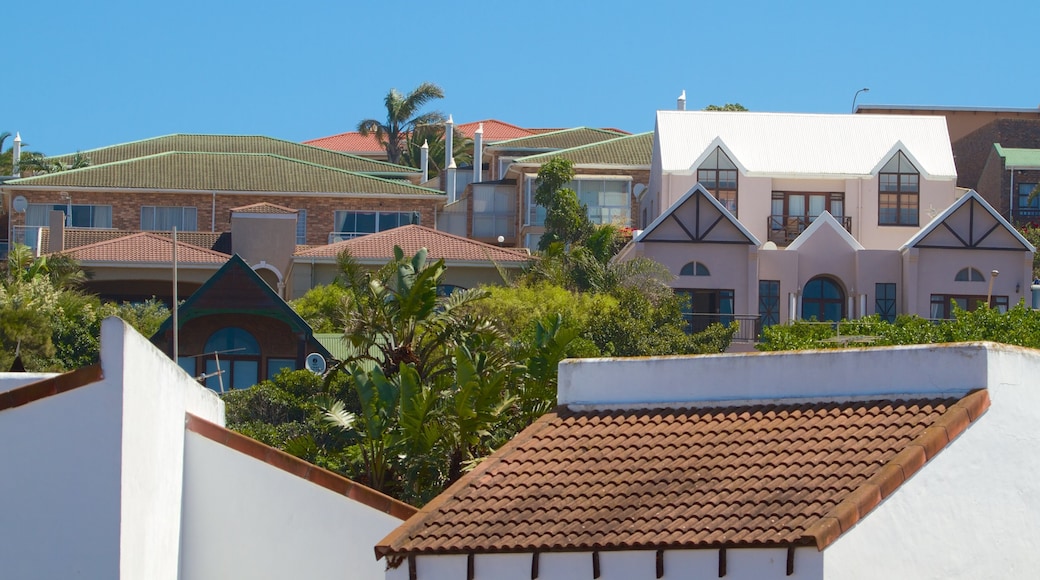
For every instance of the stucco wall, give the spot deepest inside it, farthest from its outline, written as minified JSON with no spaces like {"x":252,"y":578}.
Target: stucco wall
{"x":972,"y":512}
{"x":741,"y":564}
{"x":244,"y":518}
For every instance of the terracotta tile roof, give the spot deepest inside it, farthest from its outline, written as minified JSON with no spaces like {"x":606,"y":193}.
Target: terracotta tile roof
{"x":739,"y":476}
{"x":628,"y":150}
{"x":189,"y":171}
{"x":240,"y":144}
{"x":380,"y":246}
{"x":563,"y":139}
{"x":494,"y":130}
{"x":145,"y":247}
{"x":78,"y":237}
{"x":351,"y":142}
{"x":26,"y":394}
{"x":264,"y":207}
{"x":298,"y":467}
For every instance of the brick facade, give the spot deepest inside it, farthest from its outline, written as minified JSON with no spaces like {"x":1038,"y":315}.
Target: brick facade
{"x":214,"y":210}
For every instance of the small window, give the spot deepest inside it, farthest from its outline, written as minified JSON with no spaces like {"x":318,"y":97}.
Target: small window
{"x":301,"y":226}
{"x":969,"y":275}
{"x":694,"y":269}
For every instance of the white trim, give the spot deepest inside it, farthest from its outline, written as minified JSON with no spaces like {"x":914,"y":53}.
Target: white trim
{"x":972,"y":194}
{"x":825,"y":219}
{"x":264,"y":265}
{"x":698,"y":188}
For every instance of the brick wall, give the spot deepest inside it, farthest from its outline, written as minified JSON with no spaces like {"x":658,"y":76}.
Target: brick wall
{"x":971,"y":153}
{"x":214,"y":211}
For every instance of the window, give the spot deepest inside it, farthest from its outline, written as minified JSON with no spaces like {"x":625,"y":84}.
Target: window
{"x":351,"y":224}
{"x":942,"y":304}
{"x":898,"y":192}
{"x":719,"y":176}
{"x":239,"y":357}
{"x":275,"y":366}
{"x":83,"y":216}
{"x":605,"y":200}
{"x":1025,"y":206}
{"x":791,"y":213}
{"x":823,"y":300}
{"x":163,"y":219}
{"x":768,"y":302}
{"x":969,"y":275}
{"x":703,"y":307}
{"x":694,"y":269}
{"x":885,"y":301}
{"x":494,"y":212}
{"x":301,"y":227}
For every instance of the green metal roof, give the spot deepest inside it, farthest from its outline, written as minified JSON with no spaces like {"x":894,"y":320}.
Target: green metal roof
{"x":223,"y":172}
{"x":627,"y":150}
{"x":1019,"y":158}
{"x":239,"y":144}
{"x":562,"y":139}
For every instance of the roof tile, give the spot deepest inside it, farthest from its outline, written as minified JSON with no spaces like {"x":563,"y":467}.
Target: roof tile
{"x":439,"y":245}
{"x":769,"y":474}
{"x":145,"y":247}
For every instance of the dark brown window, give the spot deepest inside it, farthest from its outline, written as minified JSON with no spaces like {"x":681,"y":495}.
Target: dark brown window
{"x":899,"y":189}
{"x":942,"y":304}
{"x":719,"y":176}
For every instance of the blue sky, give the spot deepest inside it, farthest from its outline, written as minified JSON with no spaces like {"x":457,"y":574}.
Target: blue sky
{"x":85,"y":75}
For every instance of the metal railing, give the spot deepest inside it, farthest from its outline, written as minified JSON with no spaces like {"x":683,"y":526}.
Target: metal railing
{"x":783,"y":229}
{"x":750,"y":324}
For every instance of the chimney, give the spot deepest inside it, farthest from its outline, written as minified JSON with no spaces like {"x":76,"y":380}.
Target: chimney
{"x":681,"y":104}
{"x":450,"y":181}
{"x":449,"y":134}
{"x":478,"y":154}
{"x":16,"y":155}
{"x":56,"y":225}
{"x":424,"y":160}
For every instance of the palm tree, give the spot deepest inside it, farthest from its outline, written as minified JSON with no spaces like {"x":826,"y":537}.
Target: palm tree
{"x":433,"y":136}
{"x":402,"y":118}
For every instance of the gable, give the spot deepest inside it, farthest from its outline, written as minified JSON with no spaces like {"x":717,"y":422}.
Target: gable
{"x":697,"y":218}
{"x":826,"y":234}
{"x":970,"y":224}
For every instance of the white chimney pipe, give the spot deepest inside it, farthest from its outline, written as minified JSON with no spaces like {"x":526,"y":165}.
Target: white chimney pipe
{"x":449,"y":134}
{"x":450,"y":181}
{"x":424,"y":160}
{"x":681,"y":105}
{"x":16,"y":155}
{"x":478,"y":154}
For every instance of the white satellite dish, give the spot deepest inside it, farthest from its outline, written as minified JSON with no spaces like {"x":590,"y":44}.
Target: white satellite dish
{"x":20,"y":204}
{"x":316,"y":363}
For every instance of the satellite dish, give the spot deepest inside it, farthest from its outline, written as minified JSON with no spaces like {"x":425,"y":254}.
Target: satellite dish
{"x":20,"y":204}
{"x":316,"y":363}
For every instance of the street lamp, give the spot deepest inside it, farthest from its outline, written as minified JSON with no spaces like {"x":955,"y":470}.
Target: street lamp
{"x":856,"y":96}
{"x":989,"y":293}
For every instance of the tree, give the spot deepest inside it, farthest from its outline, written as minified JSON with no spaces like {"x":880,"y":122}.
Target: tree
{"x":433,"y":136}
{"x":36,"y":163}
{"x":402,"y":117}
{"x":726,"y":107}
{"x":566,"y":218}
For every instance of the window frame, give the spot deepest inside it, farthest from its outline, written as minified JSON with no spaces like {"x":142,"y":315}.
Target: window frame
{"x":768,"y":303}
{"x":901,"y":194}
{"x":823,"y":300}
{"x":885,"y":301}
{"x":713,"y":168}
{"x":183,"y":209}
{"x":943,"y":302}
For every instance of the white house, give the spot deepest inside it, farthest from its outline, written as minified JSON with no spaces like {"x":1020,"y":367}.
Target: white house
{"x":900,"y":462}
{"x":124,"y":470}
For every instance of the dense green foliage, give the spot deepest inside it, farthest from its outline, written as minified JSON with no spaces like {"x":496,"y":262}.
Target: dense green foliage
{"x":1018,"y":326}
{"x":402,"y":118}
{"x":726,"y":107}
{"x":1031,"y":232}
{"x":566,"y":218}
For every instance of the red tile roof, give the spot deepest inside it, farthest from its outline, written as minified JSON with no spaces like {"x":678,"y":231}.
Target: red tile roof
{"x":439,"y":245}
{"x":350,"y":142}
{"x":300,"y":468}
{"x":740,"y":476}
{"x":145,"y":247}
{"x":494,"y":130}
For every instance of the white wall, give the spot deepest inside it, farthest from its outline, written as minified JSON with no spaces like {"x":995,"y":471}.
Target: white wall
{"x":244,"y":518}
{"x":741,"y":564}
{"x":156,"y":395}
{"x":973,"y":511}
{"x":59,"y":485}
{"x":10,"y":381}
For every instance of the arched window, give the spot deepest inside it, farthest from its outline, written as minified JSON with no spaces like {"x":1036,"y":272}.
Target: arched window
{"x":694,"y":269}
{"x":969,"y":275}
{"x":823,"y":299}
{"x":719,"y":176}
{"x":899,"y":187}
{"x":238,"y":354}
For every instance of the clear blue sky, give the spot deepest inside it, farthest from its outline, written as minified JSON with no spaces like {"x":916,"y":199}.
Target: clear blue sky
{"x":82,"y":75}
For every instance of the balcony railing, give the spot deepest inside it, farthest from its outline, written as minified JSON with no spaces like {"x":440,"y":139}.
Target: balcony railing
{"x":750,"y":324}
{"x":783,"y":229}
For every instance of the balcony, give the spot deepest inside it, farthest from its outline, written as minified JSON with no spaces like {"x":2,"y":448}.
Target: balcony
{"x":750,"y":324}
{"x":783,"y":229}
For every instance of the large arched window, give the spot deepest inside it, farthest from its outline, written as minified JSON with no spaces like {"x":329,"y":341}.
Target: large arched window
{"x":823,"y":299}
{"x":238,"y":354}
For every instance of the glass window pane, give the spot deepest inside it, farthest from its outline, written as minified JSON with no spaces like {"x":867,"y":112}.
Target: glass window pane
{"x":366,"y":222}
{"x":275,"y":365}
{"x":216,"y":381}
{"x":245,"y":373}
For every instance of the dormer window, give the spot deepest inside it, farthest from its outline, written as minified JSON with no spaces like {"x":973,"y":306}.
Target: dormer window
{"x":899,"y":187}
{"x":719,"y":176}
